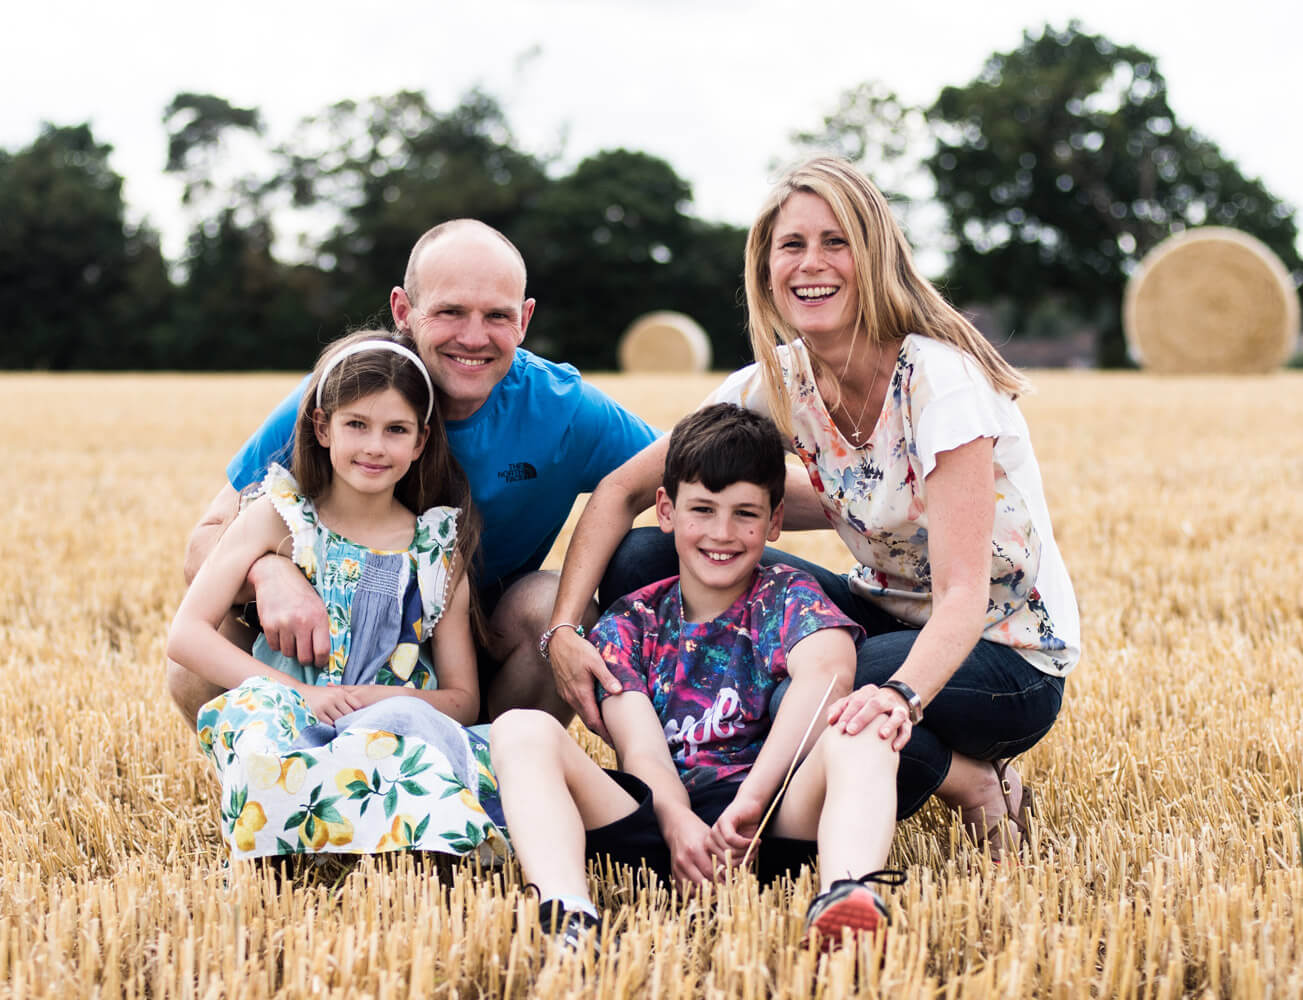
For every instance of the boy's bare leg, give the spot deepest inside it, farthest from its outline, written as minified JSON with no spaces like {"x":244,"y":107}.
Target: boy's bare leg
{"x":551,"y":793}
{"x":843,"y":796}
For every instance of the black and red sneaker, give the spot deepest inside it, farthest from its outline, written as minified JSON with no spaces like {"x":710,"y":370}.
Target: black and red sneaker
{"x":850,"y":904}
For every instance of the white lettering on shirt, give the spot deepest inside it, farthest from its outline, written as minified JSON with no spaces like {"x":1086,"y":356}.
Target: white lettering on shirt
{"x":685,"y":738}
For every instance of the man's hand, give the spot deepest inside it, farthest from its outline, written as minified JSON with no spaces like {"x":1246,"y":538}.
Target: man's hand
{"x":330,"y":701}
{"x":736,"y":828}
{"x":690,"y":859}
{"x":291,"y":613}
{"x":577,"y":666}
{"x":873,"y":706}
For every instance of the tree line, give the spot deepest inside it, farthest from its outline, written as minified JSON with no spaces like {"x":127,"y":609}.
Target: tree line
{"x":1056,"y":169}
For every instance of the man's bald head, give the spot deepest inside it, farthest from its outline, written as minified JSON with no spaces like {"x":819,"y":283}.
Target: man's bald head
{"x":471,"y":229}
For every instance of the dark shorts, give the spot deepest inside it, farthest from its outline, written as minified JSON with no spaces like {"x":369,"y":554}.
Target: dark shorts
{"x":636,"y":839}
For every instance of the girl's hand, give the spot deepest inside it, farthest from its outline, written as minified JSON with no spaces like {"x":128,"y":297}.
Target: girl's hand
{"x":330,"y":701}
{"x":872,"y":706}
{"x":736,"y":828}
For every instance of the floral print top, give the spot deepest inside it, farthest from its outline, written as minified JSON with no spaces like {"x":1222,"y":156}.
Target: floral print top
{"x":875,"y":495}
{"x":710,"y":682}
{"x":334,"y":565}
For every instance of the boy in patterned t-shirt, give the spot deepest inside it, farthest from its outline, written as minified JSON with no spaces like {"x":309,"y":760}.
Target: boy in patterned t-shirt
{"x":698,"y":657}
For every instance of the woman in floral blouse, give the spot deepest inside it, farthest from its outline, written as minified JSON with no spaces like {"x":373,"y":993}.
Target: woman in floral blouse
{"x":918,"y":457}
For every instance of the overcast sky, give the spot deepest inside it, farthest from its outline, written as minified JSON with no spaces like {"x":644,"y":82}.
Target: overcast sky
{"x":715,"y":87}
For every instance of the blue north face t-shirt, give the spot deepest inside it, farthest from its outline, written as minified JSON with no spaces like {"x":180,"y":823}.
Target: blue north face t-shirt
{"x":543,"y":437}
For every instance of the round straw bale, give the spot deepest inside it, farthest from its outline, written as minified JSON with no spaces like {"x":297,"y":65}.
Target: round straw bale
{"x":664,"y":342}
{"x":1211,"y":300}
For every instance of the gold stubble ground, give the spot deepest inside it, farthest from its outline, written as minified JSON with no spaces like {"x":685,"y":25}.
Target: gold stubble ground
{"x":1168,"y":845}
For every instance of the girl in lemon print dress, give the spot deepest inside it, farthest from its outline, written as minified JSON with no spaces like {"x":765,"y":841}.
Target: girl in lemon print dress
{"x":369,"y":752}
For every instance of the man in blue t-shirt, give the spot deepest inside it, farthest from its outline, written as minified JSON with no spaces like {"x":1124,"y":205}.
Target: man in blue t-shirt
{"x":530,"y":434}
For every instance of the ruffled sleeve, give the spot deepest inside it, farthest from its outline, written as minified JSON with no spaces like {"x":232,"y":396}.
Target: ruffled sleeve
{"x":299,"y":515}
{"x":952,"y":403}
{"x":744,"y":388}
{"x":435,"y":549}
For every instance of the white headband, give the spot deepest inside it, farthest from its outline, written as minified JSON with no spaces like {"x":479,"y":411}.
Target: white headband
{"x":378,"y":345}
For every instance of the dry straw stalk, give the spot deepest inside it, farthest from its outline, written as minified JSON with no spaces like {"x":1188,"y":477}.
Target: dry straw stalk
{"x":1167,"y":863}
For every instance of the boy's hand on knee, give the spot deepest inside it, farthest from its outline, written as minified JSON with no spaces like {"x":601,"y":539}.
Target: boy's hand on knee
{"x":736,"y":828}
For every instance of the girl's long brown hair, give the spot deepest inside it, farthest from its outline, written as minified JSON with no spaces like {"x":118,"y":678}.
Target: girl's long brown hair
{"x":434,"y":479}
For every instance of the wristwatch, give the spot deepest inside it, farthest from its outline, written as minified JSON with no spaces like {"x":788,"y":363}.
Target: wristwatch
{"x":545,"y":640}
{"x":912,"y":701}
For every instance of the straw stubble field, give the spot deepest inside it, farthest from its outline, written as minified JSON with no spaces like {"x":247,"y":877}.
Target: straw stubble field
{"x":1169,"y":840}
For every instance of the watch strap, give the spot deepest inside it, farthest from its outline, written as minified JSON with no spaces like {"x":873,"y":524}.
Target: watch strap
{"x":912,"y":701}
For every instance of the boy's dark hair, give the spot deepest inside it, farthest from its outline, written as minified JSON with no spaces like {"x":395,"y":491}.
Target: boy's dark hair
{"x":724,"y":444}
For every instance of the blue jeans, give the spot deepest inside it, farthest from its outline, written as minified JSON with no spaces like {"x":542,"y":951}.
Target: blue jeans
{"x":995,"y":705}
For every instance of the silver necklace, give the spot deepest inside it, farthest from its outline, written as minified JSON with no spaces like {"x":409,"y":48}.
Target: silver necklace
{"x":856,"y":433}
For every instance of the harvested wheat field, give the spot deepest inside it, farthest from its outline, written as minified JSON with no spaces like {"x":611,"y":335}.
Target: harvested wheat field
{"x":1168,"y":857}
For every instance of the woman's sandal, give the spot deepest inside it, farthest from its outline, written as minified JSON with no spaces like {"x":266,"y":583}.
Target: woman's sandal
{"x":1020,"y":818}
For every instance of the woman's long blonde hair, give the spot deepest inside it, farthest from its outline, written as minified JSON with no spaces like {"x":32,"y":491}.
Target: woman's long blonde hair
{"x":894,"y":299}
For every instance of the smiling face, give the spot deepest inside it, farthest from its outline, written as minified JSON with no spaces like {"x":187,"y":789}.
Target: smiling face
{"x":811,"y":269}
{"x":373,"y":441}
{"x":719,"y":538}
{"x":467,"y":314}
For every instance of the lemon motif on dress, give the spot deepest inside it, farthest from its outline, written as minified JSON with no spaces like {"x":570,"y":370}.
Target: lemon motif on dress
{"x":348,"y":776}
{"x":247,"y":824}
{"x":469,"y":800}
{"x":264,"y":770}
{"x":293,"y":772}
{"x":399,"y":835}
{"x":380,"y":745}
{"x":403,"y":659}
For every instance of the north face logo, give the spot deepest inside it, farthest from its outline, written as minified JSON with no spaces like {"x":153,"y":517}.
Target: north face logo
{"x":517,"y":472}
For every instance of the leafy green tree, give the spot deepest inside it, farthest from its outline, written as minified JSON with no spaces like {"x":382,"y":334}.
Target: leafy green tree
{"x":613,"y":240}
{"x":241,"y":307}
{"x":79,"y":287}
{"x":393,"y":167}
{"x":888,"y":139}
{"x":244,"y":309}
{"x":1062,"y":164}
{"x":198,"y":126}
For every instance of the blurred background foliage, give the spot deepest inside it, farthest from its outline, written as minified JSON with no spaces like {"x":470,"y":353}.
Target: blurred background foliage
{"x":1038,"y":185}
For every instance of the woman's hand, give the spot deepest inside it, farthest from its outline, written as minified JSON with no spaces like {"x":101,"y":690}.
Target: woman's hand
{"x":871,"y":706}
{"x":736,"y":828}
{"x":577,"y":667}
{"x":330,"y":701}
